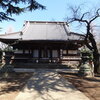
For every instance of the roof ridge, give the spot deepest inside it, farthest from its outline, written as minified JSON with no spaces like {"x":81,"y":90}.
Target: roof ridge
{"x":47,"y":22}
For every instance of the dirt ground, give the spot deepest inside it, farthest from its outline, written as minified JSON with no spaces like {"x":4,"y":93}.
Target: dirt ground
{"x":89,"y":86}
{"x":11,"y":85}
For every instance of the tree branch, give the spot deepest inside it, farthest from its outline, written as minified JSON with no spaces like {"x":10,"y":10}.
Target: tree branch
{"x":95,"y":16}
{"x":80,"y":20}
{"x":84,"y":15}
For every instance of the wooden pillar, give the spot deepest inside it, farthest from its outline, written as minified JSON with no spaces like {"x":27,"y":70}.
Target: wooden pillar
{"x":67,"y":51}
{"x":51,"y":54}
{"x":45,"y":52}
{"x":32,"y":52}
{"x":59,"y":55}
{"x":39,"y":53}
{"x":29,"y":51}
{"x":23,"y":51}
{"x":38,"y":50}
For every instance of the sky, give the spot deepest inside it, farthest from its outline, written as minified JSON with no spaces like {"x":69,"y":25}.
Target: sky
{"x":56,"y":10}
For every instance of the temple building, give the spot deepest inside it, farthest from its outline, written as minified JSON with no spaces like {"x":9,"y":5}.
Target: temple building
{"x":43,"y":42}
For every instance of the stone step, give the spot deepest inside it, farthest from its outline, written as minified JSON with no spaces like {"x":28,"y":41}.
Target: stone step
{"x":30,"y":65}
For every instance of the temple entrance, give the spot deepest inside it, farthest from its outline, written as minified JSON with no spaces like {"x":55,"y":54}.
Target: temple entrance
{"x":45,"y":54}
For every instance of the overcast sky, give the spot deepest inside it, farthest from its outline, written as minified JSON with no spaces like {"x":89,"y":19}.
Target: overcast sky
{"x":56,"y":10}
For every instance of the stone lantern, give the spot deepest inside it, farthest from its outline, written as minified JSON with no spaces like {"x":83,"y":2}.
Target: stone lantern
{"x":86,"y":68}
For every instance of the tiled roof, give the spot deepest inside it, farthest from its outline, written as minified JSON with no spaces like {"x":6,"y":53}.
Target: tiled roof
{"x":41,"y":30}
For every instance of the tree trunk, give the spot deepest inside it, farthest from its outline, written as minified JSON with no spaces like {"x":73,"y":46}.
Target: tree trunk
{"x":95,"y":53}
{"x":99,"y":64}
{"x":96,"y":62}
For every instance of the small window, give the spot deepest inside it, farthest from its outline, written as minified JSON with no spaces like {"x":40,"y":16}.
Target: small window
{"x":19,"y":51}
{"x":35,"y":53}
{"x":72,"y":52}
{"x":26,"y":51}
{"x":64,"y":51}
{"x":48,"y":53}
{"x":54,"y":53}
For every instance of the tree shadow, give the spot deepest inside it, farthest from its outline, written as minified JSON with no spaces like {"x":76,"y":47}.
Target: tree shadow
{"x":46,"y":81}
{"x":96,"y":78}
{"x":93,"y":79}
{"x":82,"y":84}
{"x":13,"y":82}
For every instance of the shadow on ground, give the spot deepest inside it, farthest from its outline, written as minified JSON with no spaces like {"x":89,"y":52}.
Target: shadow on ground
{"x":44,"y":81}
{"x":89,"y":86}
{"x":14,"y":82}
{"x":75,"y":75}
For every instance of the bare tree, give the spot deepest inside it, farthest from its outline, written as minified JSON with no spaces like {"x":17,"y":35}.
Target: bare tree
{"x":87,"y":18}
